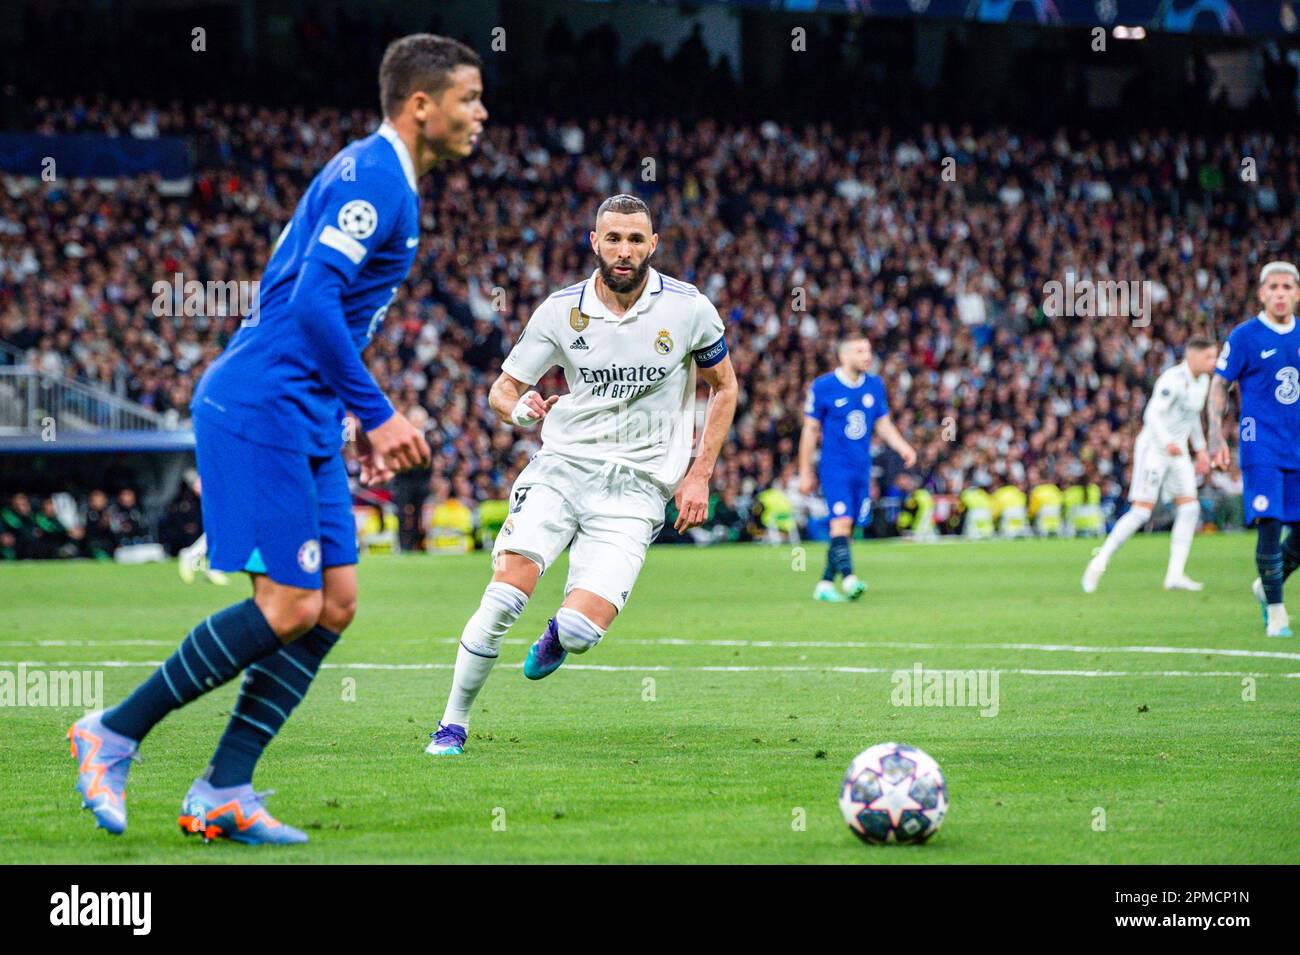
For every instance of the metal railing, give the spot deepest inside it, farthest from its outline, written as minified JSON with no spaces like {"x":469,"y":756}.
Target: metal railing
{"x":30,"y":400}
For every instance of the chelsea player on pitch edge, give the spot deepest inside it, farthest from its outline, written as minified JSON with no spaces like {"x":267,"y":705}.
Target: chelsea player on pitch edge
{"x":269,"y":424}
{"x":1262,"y":355}
{"x":845,"y":408}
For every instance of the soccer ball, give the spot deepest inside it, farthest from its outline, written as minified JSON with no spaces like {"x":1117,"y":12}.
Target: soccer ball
{"x":893,"y":793}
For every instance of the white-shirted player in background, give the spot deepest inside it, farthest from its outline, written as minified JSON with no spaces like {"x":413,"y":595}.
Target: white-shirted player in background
{"x":614,"y":450}
{"x":1161,"y":459}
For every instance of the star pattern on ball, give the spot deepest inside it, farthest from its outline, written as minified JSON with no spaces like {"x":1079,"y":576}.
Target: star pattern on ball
{"x":895,"y":799}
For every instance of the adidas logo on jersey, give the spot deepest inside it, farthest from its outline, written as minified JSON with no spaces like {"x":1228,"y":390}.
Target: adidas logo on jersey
{"x":578,"y":345}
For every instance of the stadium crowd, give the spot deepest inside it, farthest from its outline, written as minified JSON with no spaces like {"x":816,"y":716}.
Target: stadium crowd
{"x":60,"y":526}
{"x":935,"y":241}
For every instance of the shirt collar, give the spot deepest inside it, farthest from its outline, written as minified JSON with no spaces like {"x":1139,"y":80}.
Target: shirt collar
{"x":839,"y":373}
{"x":1280,"y":329}
{"x":387,"y":130}
{"x":589,"y":302}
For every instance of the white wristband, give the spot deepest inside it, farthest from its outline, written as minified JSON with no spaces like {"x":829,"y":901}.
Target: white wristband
{"x":523,"y":415}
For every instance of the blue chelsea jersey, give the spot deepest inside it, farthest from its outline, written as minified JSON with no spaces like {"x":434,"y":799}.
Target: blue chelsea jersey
{"x":848,"y":416}
{"x":1265,"y":364}
{"x":359,"y":216}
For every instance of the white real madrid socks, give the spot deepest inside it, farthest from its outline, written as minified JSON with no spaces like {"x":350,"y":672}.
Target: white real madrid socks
{"x":577,"y":633}
{"x":480,"y":643}
{"x":1180,"y":539}
{"x":1128,"y":525}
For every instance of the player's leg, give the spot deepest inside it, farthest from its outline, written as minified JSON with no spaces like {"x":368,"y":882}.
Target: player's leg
{"x":513,"y":581}
{"x":839,"y":559}
{"x":224,"y":797}
{"x":189,"y":559}
{"x":1187,"y":511}
{"x":243,"y":482}
{"x":1133,"y":520}
{"x":842,"y":503}
{"x":1290,"y":551}
{"x":1265,"y":499}
{"x":539,"y":526}
{"x":605,"y":560}
{"x":1144,"y":491}
{"x":222,"y":802}
{"x":852,"y":586}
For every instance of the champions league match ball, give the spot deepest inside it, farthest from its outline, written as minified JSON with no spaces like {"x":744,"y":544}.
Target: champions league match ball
{"x":893,"y":793}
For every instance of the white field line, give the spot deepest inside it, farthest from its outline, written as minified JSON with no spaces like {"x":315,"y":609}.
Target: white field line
{"x":660,"y":668}
{"x":764,"y":644}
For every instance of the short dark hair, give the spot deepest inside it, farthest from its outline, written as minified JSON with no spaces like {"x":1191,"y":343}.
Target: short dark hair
{"x":1199,"y":343}
{"x":420,"y":62}
{"x":628,"y":205}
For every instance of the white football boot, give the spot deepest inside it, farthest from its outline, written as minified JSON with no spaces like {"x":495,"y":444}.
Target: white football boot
{"x":189,"y":560}
{"x":1092,"y":573}
{"x":1279,"y":625}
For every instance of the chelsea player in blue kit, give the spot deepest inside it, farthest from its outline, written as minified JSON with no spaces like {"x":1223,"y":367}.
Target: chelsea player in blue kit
{"x":844,"y":410}
{"x":1262,"y":355}
{"x":269,"y":426}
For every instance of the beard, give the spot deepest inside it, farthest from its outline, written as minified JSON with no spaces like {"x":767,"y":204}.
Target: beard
{"x":622,"y":284}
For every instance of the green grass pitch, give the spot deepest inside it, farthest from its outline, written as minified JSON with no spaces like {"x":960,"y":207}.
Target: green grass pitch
{"x":760,"y":697}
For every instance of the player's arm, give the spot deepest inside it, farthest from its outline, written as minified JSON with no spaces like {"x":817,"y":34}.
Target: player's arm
{"x":316,"y":303}
{"x":708,"y":346}
{"x":512,"y":398}
{"x":888,"y":432}
{"x":1216,"y":407}
{"x":335,"y":255}
{"x":810,"y":437}
{"x":1197,"y":438}
{"x":514,"y":401}
{"x":693,"y":493}
{"x":1226,"y":370}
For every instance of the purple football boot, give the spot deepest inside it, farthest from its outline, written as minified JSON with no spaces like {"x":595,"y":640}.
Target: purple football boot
{"x":449,"y":740}
{"x":546,"y":655}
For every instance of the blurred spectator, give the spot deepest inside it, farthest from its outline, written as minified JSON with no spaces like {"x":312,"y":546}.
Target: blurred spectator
{"x":55,"y":527}
{"x":127,"y":519}
{"x":100,"y":537}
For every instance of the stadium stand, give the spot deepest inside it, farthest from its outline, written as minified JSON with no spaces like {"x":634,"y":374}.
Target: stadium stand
{"x":945,"y":273}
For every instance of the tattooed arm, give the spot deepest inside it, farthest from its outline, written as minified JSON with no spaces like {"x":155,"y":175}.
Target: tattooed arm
{"x":1216,"y":407}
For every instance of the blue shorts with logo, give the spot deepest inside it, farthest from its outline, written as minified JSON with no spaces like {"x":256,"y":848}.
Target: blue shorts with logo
{"x":273,"y":511}
{"x":1271,"y":492}
{"x":848,"y":495}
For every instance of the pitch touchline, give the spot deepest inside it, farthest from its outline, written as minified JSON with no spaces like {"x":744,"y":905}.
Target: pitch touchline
{"x":763,"y":644}
{"x":660,"y":668}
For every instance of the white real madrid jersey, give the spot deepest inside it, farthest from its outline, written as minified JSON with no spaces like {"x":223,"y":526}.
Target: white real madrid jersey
{"x":631,"y":378}
{"x":1173,"y":413}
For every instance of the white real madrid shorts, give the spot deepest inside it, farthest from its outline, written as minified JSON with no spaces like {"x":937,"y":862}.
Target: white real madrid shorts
{"x":1155,"y":468}
{"x":606,"y":514}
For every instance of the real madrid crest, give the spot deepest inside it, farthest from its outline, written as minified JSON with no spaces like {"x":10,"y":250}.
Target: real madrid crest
{"x":577,"y":321}
{"x":664,"y":342}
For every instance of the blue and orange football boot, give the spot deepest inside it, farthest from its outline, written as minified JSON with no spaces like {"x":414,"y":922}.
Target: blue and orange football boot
{"x":235,"y":813}
{"x":546,"y":654}
{"x":103,"y":760}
